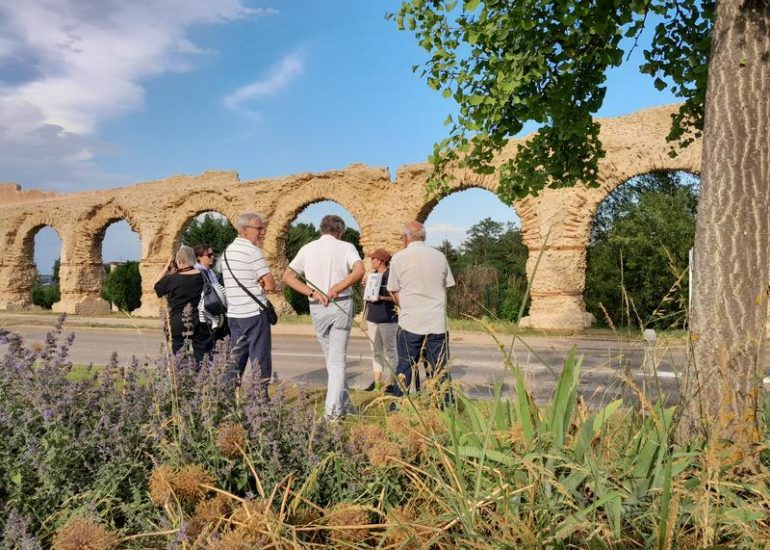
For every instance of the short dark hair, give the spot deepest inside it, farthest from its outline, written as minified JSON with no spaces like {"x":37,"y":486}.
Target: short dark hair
{"x":201,"y":249}
{"x":331,"y":224}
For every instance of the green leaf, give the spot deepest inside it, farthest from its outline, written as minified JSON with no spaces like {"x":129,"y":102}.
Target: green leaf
{"x":742,"y":515}
{"x":488,"y":454}
{"x":663,"y":541}
{"x":564,"y":398}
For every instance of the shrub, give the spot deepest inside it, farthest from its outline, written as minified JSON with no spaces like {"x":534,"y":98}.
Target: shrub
{"x":45,"y":296}
{"x":123,"y":286}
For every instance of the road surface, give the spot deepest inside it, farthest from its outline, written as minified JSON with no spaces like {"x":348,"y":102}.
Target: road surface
{"x":476,"y":363}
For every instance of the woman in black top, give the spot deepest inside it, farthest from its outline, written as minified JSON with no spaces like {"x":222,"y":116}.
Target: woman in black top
{"x":182,"y":287}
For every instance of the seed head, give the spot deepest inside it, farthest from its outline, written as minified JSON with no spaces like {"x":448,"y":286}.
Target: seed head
{"x":383,"y":452}
{"x":516,"y":437}
{"x":401,"y":533}
{"x":189,"y":480}
{"x":346,"y":517}
{"x":366,"y":435}
{"x":404,"y":530}
{"x":233,"y":540}
{"x":83,"y":534}
{"x":304,"y":517}
{"x":162,"y":484}
{"x":407,"y":429}
{"x":208,"y":514}
{"x":231,"y":438}
{"x":252,"y":512}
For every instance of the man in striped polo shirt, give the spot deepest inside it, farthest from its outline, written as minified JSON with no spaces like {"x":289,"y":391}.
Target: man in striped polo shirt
{"x":329,"y":266}
{"x":249,"y":328}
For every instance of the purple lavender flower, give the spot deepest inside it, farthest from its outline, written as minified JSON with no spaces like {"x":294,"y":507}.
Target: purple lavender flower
{"x":16,"y":533}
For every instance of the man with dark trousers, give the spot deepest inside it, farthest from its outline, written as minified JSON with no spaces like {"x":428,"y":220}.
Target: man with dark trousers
{"x":419,"y":277}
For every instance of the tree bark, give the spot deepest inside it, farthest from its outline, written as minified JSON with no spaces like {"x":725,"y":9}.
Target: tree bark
{"x":732,"y":241}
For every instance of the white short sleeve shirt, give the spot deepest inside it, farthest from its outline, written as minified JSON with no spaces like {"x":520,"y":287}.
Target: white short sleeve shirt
{"x":325,"y":261}
{"x":421,"y":274}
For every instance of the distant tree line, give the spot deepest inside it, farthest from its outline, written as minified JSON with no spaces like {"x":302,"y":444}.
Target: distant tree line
{"x":214,"y":230}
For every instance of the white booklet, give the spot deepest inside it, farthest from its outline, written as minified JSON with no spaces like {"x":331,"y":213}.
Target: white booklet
{"x":372,"y":288}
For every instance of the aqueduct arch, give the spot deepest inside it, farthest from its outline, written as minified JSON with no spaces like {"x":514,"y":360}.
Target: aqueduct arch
{"x":555,"y":224}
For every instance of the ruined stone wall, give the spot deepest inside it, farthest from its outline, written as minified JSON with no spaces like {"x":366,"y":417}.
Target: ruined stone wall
{"x":555,"y":224}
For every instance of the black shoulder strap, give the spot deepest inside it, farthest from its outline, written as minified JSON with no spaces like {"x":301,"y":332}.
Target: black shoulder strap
{"x":262,"y":306}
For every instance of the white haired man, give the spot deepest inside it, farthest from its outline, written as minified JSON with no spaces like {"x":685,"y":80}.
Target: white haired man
{"x":250,"y":334}
{"x":419,"y":277}
{"x":329,"y":266}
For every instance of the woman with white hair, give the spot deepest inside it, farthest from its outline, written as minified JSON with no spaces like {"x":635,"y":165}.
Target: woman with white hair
{"x":182,"y":284}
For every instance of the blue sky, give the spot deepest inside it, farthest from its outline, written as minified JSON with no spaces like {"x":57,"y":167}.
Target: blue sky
{"x":96,"y":95}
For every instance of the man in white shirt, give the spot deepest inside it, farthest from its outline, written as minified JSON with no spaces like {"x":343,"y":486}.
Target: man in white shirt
{"x":329,"y":267}
{"x":249,"y":328}
{"x":419,"y":277}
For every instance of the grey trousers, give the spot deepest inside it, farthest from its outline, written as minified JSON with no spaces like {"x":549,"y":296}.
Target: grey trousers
{"x":383,"y":344}
{"x":332,"y":327}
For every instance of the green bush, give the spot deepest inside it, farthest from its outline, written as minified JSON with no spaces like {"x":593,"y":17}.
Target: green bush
{"x":45,"y":295}
{"x":123,"y":286}
{"x":638,"y":253}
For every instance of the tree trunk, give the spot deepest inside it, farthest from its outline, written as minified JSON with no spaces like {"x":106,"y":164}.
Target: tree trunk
{"x":732,"y":240}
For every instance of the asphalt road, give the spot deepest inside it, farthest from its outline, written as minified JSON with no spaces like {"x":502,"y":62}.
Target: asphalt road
{"x":476,"y":363}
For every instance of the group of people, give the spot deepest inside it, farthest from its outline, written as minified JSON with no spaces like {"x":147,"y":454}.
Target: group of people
{"x":406,"y":319}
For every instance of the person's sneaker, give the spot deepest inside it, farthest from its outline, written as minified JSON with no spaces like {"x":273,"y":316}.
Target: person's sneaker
{"x":370,"y":387}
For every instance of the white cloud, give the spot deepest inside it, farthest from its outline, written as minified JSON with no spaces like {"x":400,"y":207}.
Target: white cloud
{"x":278,"y":77}
{"x":68,"y":65}
{"x":184,"y":46}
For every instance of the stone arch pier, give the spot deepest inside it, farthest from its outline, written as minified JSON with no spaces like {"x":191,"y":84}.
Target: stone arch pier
{"x":555,"y":224}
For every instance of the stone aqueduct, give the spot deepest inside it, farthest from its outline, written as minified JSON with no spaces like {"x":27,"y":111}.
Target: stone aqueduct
{"x":555,"y":224}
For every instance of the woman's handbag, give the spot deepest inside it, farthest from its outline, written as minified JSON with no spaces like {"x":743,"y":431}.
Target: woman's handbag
{"x":266,"y":307}
{"x":214,"y":302}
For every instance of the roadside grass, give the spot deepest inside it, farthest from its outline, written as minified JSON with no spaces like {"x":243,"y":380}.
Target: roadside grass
{"x":127,"y":322}
{"x":360,"y":399}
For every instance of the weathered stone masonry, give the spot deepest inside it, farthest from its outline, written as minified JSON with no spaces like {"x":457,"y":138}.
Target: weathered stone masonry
{"x":555,"y":224}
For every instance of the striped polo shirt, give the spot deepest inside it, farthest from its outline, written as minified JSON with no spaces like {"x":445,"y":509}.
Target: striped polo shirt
{"x":249,"y":265}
